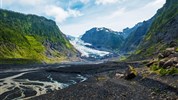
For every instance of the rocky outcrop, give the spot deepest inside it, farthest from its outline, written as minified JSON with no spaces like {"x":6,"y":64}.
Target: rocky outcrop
{"x":166,"y":59}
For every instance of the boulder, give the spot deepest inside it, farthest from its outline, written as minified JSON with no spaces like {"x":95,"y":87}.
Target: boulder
{"x":176,"y":66}
{"x":160,"y":56}
{"x":171,"y":49}
{"x":170,"y":63}
{"x":166,"y":53}
{"x":172,"y":44}
{"x":149,"y":64}
{"x":161,"y":63}
{"x":130,"y":73}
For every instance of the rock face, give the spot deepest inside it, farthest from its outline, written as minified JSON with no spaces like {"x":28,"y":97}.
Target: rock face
{"x":33,"y":38}
{"x":103,"y":39}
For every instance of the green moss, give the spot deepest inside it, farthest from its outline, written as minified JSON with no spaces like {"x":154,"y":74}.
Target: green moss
{"x":162,"y":71}
{"x":176,"y":49}
{"x":154,"y":67}
{"x":171,"y":71}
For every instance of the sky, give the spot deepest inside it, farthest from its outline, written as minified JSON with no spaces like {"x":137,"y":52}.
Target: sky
{"x":75,"y":17}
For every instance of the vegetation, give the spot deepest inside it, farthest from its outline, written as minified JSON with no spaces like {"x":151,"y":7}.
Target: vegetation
{"x":31,"y":38}
{"x":161,"y":71}
{"x":161,"y":32}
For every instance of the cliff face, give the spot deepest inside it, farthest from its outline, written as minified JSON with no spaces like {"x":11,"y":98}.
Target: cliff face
{"x":103,"y":38}
{"x":163,"y":33}
{"x":32,"y":38}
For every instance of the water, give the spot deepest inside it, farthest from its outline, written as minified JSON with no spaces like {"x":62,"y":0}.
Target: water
{"x":27,"y":83}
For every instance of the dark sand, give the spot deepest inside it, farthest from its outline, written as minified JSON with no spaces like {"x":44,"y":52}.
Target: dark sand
{"x":104,"y":84}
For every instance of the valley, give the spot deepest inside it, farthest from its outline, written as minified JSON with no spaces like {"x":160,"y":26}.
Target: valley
{"x":39,"y":61}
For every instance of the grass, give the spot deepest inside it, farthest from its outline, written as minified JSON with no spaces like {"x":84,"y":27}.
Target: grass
{"x":161,"y":71}
{"x":24,"y":38}
{"x":176,"y":49}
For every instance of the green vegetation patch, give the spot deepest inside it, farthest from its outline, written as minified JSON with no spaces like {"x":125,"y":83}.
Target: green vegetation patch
{"x":161,"y":71}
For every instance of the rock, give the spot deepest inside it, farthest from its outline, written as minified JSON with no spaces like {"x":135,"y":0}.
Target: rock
{"x":153,"y":61}
{"x":166,"y":53}
{"x":171,"y":49}
{"x":149,"y":64}
{"x":161,"y":63}
{"x":130,"y":73}
{"x":119,"y":75}
{"x":176,"y":66}
{"x":172,"y":44}
{"x":171,"y":62}
{"x":160,"y":56}
{"x":173,"y":55}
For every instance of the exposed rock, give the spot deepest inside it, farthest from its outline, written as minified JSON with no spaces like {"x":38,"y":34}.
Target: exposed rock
{"x":153,"y":61}
{"x":176,"y":66}
{"x":173,"y":55}
{"x":160,"y":56}
{"x":149,"y":64}
{"x":173,"y":44}
{"x":171,"y":49}
{"x":171,"y":62}
{"x":130,"y":73}
{"x":161,"y":63}
{"x":119,"y":75}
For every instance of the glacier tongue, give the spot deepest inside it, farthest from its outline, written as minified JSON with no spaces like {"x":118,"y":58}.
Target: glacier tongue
{"x":86,"y":51}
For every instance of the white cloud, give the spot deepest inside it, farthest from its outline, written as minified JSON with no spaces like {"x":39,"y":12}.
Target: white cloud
{"x":74,"y":13}
{"x":43,"y":7}
{"x":58,"y":13}
{"x":104,"y":2}
{"x":84,"y":1}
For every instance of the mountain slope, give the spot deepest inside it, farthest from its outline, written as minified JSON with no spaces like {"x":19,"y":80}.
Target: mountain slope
{"x":31,"y":38}
{"x":103,"y":39}
{"x":163,"y":33}
{"x":135,"y":36}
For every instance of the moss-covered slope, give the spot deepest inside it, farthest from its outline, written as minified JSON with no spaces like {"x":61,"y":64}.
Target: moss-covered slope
{"x":30,"y":38}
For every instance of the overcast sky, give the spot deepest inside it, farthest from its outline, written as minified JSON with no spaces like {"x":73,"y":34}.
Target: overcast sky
{"x":74,"y":17}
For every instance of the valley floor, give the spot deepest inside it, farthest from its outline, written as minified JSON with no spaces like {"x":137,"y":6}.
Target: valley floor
{"x":106,"y":83}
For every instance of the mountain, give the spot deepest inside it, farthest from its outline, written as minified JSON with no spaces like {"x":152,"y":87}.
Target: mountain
{"x":31,"y":38}
{"x":103,"y":39}
{"x":127,"y":31}
{"x":87,"y":51}
{"x":162,"y":33}
{"x":135,"y":35}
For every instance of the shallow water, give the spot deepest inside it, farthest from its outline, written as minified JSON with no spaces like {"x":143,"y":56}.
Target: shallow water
{"x":26,"y":83}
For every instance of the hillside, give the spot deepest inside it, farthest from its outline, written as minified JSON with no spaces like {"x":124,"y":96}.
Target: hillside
{"x":136,"y":35}
{"x":103,"y":39}
{"x":30,"y":38}
{"x":162,"y":33}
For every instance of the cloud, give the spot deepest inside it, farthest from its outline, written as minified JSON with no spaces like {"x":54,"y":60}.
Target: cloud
{"x":114,"y":14}
{"x":85,"y":1}
{"x":104,"y":2}
{"x":58,"y":13}
{"x":47,"y":8}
